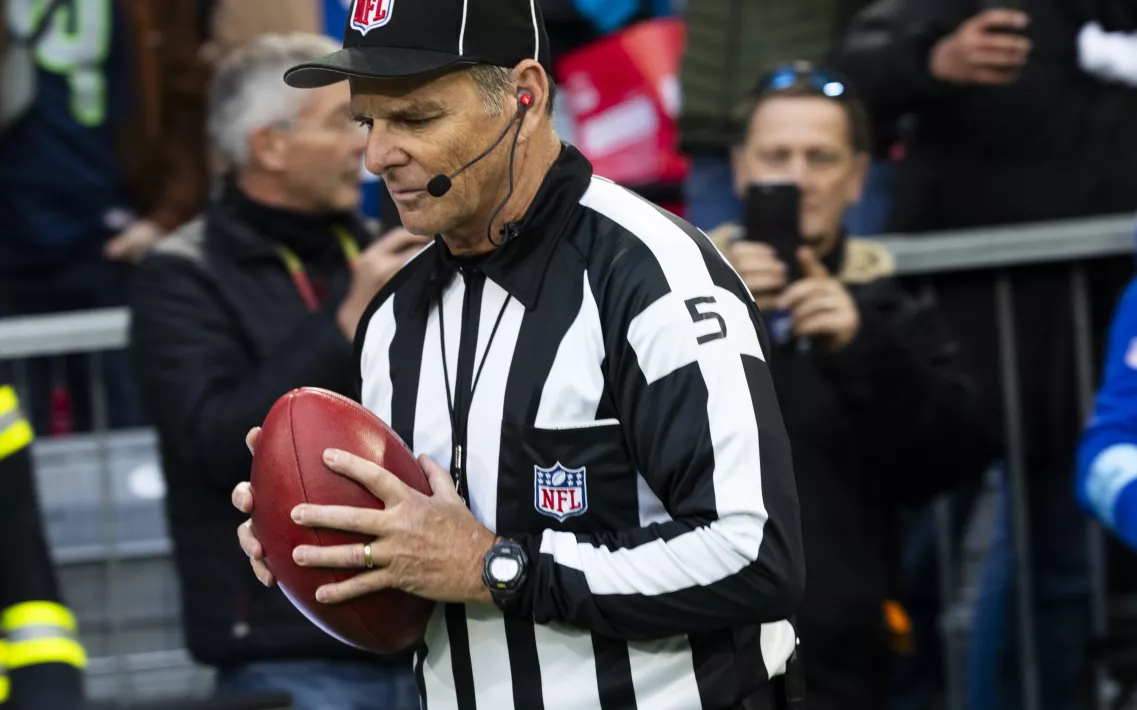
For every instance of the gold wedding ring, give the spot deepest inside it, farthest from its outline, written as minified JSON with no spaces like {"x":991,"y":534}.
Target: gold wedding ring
{"x":367,"y":561}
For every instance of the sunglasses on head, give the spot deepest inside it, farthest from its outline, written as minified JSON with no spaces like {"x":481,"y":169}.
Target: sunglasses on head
{"x":802,"y":75}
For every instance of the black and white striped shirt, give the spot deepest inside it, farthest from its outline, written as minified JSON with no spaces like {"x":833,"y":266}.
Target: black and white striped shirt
{"x":624,"y":428}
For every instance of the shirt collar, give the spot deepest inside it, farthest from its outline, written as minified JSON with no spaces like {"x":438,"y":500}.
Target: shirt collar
{"x":248,"y":231}
{"x":519,"y":265}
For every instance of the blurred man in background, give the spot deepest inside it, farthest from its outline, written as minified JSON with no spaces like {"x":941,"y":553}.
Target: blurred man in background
{"x":41,"y":660}
{"x":1007,"y":127}
{"x":729,"y":42}
{"x":878,"y":413}
{"x":101,"y":153}
{"x":260,"y":296}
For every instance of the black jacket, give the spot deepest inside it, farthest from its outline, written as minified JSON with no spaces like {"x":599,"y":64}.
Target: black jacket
{"x":888,"y":421}
{"x":219,"y":332}
{"x":1057,"y":144}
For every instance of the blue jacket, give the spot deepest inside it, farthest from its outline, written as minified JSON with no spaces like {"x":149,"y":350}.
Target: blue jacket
{"x":1107,"y":455}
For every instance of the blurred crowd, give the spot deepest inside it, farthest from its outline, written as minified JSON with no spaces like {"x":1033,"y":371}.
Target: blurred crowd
{"x":151,"y":157}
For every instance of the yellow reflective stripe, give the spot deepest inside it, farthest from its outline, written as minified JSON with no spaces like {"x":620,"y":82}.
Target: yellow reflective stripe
{"x":49,"y":650}
{"x":3,"y":688}
{"x":37,"y":614}
{"x":15,"y":432}
{"x":8,"y":401}
{"x":350,"y":248}
{"x":15,"y":438}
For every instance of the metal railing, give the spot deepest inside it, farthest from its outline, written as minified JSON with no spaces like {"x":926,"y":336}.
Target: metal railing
{"x":995,"y":250}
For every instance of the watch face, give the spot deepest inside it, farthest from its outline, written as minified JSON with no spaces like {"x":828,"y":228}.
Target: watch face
{"x":504,"y":569}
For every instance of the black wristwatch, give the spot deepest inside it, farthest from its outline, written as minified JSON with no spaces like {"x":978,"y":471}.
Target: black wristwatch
{"x":506,"y":568}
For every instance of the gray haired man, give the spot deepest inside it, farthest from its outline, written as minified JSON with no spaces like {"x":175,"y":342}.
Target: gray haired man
{"x":261,"y":295}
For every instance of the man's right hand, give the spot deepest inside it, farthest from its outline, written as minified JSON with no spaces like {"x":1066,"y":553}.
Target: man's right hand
{"x":978,"y":53}
{"x":760,"y":268}
{"x":243,"y":501}
{"x":371,"y":272}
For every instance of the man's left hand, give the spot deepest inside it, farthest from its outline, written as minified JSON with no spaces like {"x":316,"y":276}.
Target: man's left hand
{"x":820,"y":305}
{"x":430,"y":546}
{"x":133,"y":243}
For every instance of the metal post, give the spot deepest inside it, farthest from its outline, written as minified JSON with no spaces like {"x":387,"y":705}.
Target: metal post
{"x":23,"y":388}
{"x":1016,"y":469}
{"x":1095,"y":551}
{"x":100,"y":424}
{"x":949,"y":626}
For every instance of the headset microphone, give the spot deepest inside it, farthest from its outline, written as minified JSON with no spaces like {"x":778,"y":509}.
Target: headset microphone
{"x":440,"y":184}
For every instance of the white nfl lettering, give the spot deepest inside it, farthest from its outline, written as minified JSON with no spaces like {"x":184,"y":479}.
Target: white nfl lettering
{"x":366,"y":15}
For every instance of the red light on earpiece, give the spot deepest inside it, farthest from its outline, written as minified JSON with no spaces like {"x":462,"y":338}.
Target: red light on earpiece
{"x":526,"y":100}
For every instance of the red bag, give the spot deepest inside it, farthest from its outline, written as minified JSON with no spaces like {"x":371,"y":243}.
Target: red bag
{"x":623,"y":91}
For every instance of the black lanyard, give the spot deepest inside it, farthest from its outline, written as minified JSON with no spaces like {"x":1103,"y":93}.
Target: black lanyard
{"x":458,"y":435}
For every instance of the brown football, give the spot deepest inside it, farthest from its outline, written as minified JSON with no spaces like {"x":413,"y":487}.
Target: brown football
{"x":288,"y":469}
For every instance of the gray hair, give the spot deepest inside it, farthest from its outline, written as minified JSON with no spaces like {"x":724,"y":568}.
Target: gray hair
{"x":496,"y":87}
{"x":249,"y":92}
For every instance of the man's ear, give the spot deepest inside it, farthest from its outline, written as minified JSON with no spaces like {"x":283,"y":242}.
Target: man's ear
{"x":268,"y":148}
{"x":530,"y":76}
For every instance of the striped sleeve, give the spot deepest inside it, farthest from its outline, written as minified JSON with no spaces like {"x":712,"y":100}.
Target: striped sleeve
{"x":686,"y":370}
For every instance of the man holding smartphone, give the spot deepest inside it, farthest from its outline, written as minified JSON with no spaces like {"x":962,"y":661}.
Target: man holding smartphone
{"x":877,"y":413}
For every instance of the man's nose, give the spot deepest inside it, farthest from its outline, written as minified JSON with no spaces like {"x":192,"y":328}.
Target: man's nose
{"x":799,"y":171}
{"x":382,"y":152}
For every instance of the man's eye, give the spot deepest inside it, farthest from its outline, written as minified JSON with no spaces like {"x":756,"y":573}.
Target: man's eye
{"x":365,"y":123}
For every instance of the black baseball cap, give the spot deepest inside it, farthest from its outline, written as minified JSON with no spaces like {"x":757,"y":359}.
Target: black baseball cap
{"x":397,"y":38}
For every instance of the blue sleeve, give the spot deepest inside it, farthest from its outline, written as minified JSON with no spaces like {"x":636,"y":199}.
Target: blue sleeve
{"x":1106,"y":482}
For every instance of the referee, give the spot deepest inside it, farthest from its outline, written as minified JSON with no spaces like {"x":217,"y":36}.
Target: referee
{"x":614,"y":521}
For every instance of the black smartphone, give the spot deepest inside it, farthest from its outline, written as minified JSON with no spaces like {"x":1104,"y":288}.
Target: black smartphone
{"x":773,"y":216}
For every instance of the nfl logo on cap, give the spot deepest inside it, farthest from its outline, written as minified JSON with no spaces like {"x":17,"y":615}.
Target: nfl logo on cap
{"x":369,"y":14}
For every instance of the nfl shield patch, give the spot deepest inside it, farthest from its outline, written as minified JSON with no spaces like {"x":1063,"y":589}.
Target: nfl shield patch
{"x":369,"y":14}
{"x":560,"y":492}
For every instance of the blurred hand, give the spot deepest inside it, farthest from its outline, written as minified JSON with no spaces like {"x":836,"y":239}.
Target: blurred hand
{"x":133,"y":243}
{"x":243,"y":501}
{"x":371,"y":272}
{"x":977,"y":53}
{"x":820,"y":306}
{"x":761,"y":270}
